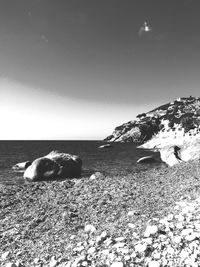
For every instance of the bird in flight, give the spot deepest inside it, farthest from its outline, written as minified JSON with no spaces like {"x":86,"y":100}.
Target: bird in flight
{"x":145,"y":28}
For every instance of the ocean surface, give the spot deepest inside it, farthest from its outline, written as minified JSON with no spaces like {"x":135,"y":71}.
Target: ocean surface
{"x":120,"y":159}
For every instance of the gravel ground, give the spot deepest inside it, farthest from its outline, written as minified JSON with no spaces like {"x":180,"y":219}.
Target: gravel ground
{"x":144,"y":219}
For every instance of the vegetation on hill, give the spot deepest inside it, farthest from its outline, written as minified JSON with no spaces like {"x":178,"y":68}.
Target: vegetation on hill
{"x":183,"y":113}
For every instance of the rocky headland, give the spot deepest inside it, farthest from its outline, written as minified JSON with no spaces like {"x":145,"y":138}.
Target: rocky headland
{"x":173,"y":119}
{"x":172,"y":129}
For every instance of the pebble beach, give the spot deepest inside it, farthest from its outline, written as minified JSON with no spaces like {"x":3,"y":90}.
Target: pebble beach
{"x":145,"y":219}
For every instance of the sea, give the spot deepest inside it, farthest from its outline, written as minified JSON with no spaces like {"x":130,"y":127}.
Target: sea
{"x":119,"y":159}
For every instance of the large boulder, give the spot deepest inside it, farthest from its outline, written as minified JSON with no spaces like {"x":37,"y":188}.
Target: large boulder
{"x":170,"y":155}
{"x":54,"y":165}
{"x":173,"y":154}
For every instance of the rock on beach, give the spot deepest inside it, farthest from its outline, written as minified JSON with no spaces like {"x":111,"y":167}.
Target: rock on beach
{"x":54,"y":165}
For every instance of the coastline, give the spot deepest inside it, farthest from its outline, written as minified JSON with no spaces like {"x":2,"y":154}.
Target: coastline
{"x":47,"y":219}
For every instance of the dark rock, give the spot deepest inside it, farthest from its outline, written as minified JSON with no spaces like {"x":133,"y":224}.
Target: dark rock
{"x":54,"y":165}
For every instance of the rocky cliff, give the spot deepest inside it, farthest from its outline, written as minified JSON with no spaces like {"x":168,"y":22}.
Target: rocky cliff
{"x":179,"y":117}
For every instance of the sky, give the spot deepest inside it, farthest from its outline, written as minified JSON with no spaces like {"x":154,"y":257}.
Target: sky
{"x":74,"y":69}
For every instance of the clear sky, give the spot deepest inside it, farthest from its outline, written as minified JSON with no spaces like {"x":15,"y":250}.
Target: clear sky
{"x":75,"y":69}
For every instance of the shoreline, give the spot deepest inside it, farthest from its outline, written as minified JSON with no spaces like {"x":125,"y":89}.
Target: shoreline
{"x":47,"y":219}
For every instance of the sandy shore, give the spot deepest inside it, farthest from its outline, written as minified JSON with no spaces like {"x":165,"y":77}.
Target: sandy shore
{"x":43,"y":223}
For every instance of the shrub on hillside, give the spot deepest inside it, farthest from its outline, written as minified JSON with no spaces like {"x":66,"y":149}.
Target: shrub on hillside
{"x":187,"y":123}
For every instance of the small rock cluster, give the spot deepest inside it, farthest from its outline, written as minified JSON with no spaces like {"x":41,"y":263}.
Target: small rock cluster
{"x":171,"y":241}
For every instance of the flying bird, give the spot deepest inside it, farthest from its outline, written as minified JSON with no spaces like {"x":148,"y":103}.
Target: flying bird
{"x":145,"y":28}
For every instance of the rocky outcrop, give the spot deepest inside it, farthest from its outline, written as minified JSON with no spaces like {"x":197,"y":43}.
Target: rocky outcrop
{"x":173,"y":154}
{"x":54,"y":165}
{"x":179,"y":117}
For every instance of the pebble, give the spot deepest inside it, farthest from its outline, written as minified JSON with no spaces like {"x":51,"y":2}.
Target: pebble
{"x":104,"y":234}
{"x":89,"y":228}
{"x":91,"y":250}
{"x":127,"y":258}
{"x":151,"y":230}
{"x":131,"y":213}
{"x":191,"y":237}
{"x":108,"y":241}
{"x":119,"y":245}
{"x":154,"y":264}
{"x":148,"y":240}
{"x":93,"y":177}
{"x":186,"y":232}
{"x":140,"y":248}
{"x":157,"y":255}
{"x":80,"y":248}
{"x":53,"y":262}
{"x":119,"y":239}
{"x":131,"y":225}
{"x":5,"y":255}
{"x":124,"y":250}
{"x":177,"y":239}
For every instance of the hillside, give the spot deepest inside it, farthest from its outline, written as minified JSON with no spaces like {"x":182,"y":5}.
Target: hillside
{"x":181,"y":115}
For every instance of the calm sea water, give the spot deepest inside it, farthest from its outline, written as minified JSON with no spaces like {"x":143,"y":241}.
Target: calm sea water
{"x":120,"y":159}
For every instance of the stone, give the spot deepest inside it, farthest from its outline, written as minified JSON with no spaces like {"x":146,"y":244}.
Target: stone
{"x":79,"y":248}
{"x":92,"y":177}
{"x":53,"y":262}
{"x":131,"y":213}
{"x":179,"y":225}
{"x":177,"y":239}
{"x":140,"y":248}
{"x":91,"y":250}
{"x":105,"y":251}
{"x":131,"y":225}
{"x":148,"y":240}
{"x":91,"y":243}
{"x":104,"y":234}
{"x":186,"y":232}
{"x":54,"y":165}
{"x":89,"y":228}
{"x":124,"y":250}
{"x":154,"y":264}
{"x":5,"y":255}
{"x":191,"y":237}
{"x":108,"y":241}
{"x":127,"y":258}
{"x":119,"y":239}
{"x":119,"y":245}
{"x":170,"y":250}
{"x":151,"y":230}
{"x":77,"y":260}
{"x":170,"y":217}
{"x":18,"y":263}
{"x":157,"y":255}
